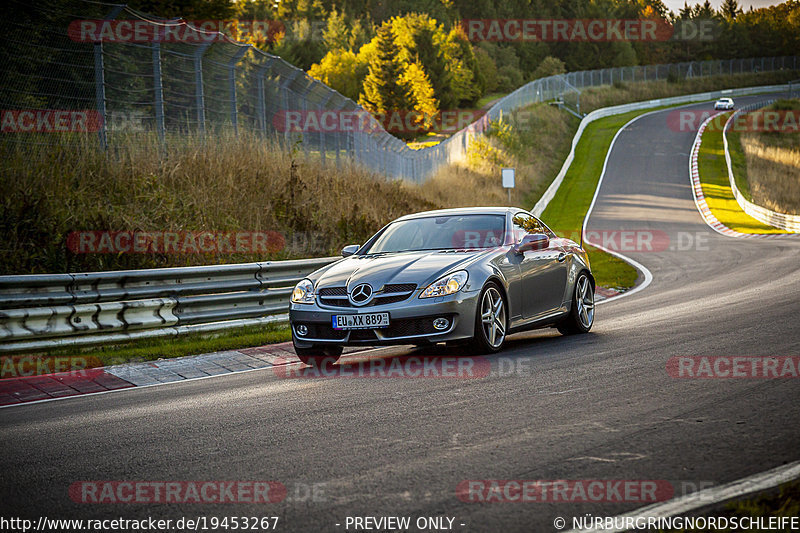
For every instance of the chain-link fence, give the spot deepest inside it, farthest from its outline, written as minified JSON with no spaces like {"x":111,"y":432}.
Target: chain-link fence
{"x":74,"y":67}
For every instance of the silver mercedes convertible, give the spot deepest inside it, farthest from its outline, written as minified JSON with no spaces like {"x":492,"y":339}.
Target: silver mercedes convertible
{"x":470,"y":276}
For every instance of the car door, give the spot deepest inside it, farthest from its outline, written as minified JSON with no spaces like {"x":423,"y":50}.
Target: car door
{"x":543,"y":272}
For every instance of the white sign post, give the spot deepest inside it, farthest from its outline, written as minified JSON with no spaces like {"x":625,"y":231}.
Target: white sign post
{"x":508,"y":181}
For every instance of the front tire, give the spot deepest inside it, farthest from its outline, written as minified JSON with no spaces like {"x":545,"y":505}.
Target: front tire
{"x":318,"y":356}
{"x":581,"y":316}
{"x":490,"y":320}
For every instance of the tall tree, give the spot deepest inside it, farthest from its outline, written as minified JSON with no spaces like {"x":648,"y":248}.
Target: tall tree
{"x":384,"y":89}
{"x":730,"y":10}
{"x":336,"y":34}
{"x":422,"y":39}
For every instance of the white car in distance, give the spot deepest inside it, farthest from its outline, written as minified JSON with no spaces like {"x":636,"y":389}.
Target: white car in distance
{"x":724,"y":103}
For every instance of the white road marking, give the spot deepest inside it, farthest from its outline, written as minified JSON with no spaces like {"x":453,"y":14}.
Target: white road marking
{"x":713,"y":495}
{"x":648,"y":276}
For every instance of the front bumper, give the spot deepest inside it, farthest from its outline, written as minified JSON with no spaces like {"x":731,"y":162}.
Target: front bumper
{"x":410,"y":321}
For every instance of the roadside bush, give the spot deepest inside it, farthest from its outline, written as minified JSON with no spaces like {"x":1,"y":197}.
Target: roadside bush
{"x":508,"y":79}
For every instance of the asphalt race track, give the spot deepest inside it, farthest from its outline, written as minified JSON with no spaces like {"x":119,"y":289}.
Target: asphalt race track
{"x":598,"y":406}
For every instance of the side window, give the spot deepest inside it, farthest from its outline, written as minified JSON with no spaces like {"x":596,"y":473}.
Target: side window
{"x":526,"y":223}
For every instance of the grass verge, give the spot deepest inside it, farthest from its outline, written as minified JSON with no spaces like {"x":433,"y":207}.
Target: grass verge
{"x":489,"y":99}
{"x":739,"y":163}
{"x":716,"y":186}
{"x":568,"y":207}
{"x":167,"y":348}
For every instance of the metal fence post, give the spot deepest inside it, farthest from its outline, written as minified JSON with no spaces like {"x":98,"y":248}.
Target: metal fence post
{"x":198,"y":86}
{"x":305,"y":134}
{"x":323,"y":107}
{"x":232,"y":86}
{"x":100,"y":92}
{"x":283,"y":87}
{"x":261,"y":108}
{"x":261,"y":103}
{"x":158,"y":92}
{"x":100,"y":83}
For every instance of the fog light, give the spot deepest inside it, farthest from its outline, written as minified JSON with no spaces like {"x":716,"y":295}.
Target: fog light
{"x":441,"y":323}
{"x":301,"y":330}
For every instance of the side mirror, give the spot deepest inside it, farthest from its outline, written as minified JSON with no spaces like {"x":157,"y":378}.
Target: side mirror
{"x":349,"y":250}
{"x":532,"y":242}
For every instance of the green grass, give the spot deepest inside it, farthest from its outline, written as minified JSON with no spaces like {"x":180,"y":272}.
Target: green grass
{"x":738,"y":163}
{"x":783,"y":502}
{"x":567,"y":209}
{"x":716,"y":187}
{"x":166,"y":348}
{"x":491,"y":97}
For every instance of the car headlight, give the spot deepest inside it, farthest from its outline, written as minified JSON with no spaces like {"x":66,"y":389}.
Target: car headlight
{"x":303,"y":292}
{"x":448,"y":284}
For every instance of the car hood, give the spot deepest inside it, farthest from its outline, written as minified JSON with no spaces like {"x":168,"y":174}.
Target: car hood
{"x":420,"y":268}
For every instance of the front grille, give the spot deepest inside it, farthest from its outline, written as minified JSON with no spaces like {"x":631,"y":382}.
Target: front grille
{"x":399,"y":287}
{"x":335,"y":302}
{"x":333,"y":291}
{"x":362,"y":335}
{"x":392,"y":293}
{"x":383,"y":300}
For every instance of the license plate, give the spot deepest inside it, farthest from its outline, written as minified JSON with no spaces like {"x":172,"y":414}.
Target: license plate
{"x":365,"y":321}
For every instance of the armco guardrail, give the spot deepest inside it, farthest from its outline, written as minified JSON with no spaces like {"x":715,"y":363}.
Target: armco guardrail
{"x":760,"y":213}
{"x":548,"y":195}
{"x":46,"y":311}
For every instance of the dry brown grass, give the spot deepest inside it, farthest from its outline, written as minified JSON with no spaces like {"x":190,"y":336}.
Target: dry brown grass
{"x":773,"y":170}
{"x":536,"y":144}
{"x":225,"y":185}
{"x":232,"y":184}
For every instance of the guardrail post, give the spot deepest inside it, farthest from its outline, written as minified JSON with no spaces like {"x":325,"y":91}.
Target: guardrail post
{"x":158,"y":92}
{"x":232,"y":86}
{"x":200,"y":101}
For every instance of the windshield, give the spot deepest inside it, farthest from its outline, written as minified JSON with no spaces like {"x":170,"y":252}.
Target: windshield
{"x":441,"y":233}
